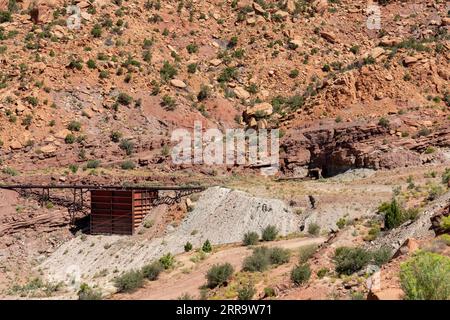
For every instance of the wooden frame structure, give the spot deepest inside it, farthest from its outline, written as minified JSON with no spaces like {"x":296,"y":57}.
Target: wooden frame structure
{"x":113,"y":209}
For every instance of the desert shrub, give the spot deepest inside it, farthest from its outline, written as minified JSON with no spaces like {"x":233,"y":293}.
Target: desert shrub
{"x":129,"y":281}
{"x":203,"y":93}
{"x":269,"y":233}
{"x":269,"y":292}
{"x":10,"y":171}
{"x":152,"y":271}
{"x":259,"y":260}
{"x":306,"y":252}
{"x":128,"y":165}
{"x":446,"y":176}
{"x":192,"y":67}
{"x":88,"y":293}
{"x":168,"y":102}
{"x":127,"y":146}
{"x":246,"y":292}
{"x":314,"y":229}
{"x":73,"y":168}
{"x":300,"y":274}
{"x":167,"y":260}
{"x":445,"y":238}
{"x":5,"y":16}
{"x":91,"y":64}
{"x":167,"y":71}
{"x":322,"y":273}
{"x":250,"y":239}
{"x":383,"y":122}
{"x":188,"y":246}
{"x":279,"y":256}
{"x":341,"y":223}
{"x":426,"y":277}
{"x":219,"y":274}
{"x":192,"y":48}
{"x":445,"y":223}
{"x":207,"y":246}
{"x":115,"y":136}
{"x":92,"y":164}
{"x":124,"y":99}
{"x":350,"y":260}
{"x":227,"y":74}
{"x":381,"y":256}
{"x":69,"y":139}
{"x":96,"y":31}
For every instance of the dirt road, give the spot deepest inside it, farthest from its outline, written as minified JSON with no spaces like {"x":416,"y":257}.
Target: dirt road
{"x":172,"y":285}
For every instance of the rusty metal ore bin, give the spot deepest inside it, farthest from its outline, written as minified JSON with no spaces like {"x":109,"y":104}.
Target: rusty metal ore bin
{"x":119,"y":211}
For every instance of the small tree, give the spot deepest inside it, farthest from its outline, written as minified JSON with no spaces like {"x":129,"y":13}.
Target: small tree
{"x":207,"y":246}
{"x":219,"y":274}
{"x":88,"y":293}
{"x":188,"y":246}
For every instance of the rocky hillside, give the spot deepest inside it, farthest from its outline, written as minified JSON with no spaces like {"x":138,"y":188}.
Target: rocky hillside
{"x":110,"y":80}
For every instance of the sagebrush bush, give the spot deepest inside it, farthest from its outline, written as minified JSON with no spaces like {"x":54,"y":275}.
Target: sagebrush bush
{"x":246,"y":292}
{"x":306,"y":252}
{"x":167,"y":260}
{"x":426,"y":276}
{"x":152,"y":271}
{"x":88,"y":293}
{"x":269,"y":233}
{"x":349,"y":260}
{"x":250,"y":239}
{"x":259,"y":261}
{"x":279,"y":256}
{"x":313,"y":229}
{"x":129,"y":281}
{"x":219,"y":274}
{"x":300,"y":274}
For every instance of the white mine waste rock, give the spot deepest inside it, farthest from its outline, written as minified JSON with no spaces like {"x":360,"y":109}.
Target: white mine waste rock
{"x":220,"y":215}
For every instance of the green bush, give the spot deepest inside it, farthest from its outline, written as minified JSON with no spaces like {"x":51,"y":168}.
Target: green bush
{"x":219,"y":274}
{"x":426,"y":276}
{"x":300,"y":274}
{"x":87,"y":293}
{"x":269,"y":233}
{"x":115,"y":136}
{"x":306,"y":252}
{"x":128,"y":165}
{"x":246,"y":292}
{"x":341,"y":223}
{"x":207,"y":246}
{"x":314,"y":229}
{"x":167,"y":71}
{"x":69,"y":139}
{"x":322,"y":273}
{"x":259,"y":261}
{"x":269,"y":292}
{"x":152,"y":271}
{"x":188,"y":246}
{"x":393,"y":214}
{"x":381,"y":256}
{"x":124,"y":99}
{"x":5,"y":16}
{"x":129,"y":281}
{"x":350,"y":260}
{"x":127,"y":146}
{"x":167,"y":260}
{"x":279,"y":256}
{"x":250,"y":239}
{"x":445,"y":223}
{"x":92,"y":164}
{"x":96,"y":31}
{"x":446,"y":176}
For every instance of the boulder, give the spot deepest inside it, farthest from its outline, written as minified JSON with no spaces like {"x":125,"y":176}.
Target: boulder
{"x":260,"y":109}
{"x":178,"y":83}
{"x":329,"y":36}
{"x":241,"y":93}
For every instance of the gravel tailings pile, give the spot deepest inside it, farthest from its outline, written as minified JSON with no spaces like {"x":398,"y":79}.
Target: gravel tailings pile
{"x":220,"y":215}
